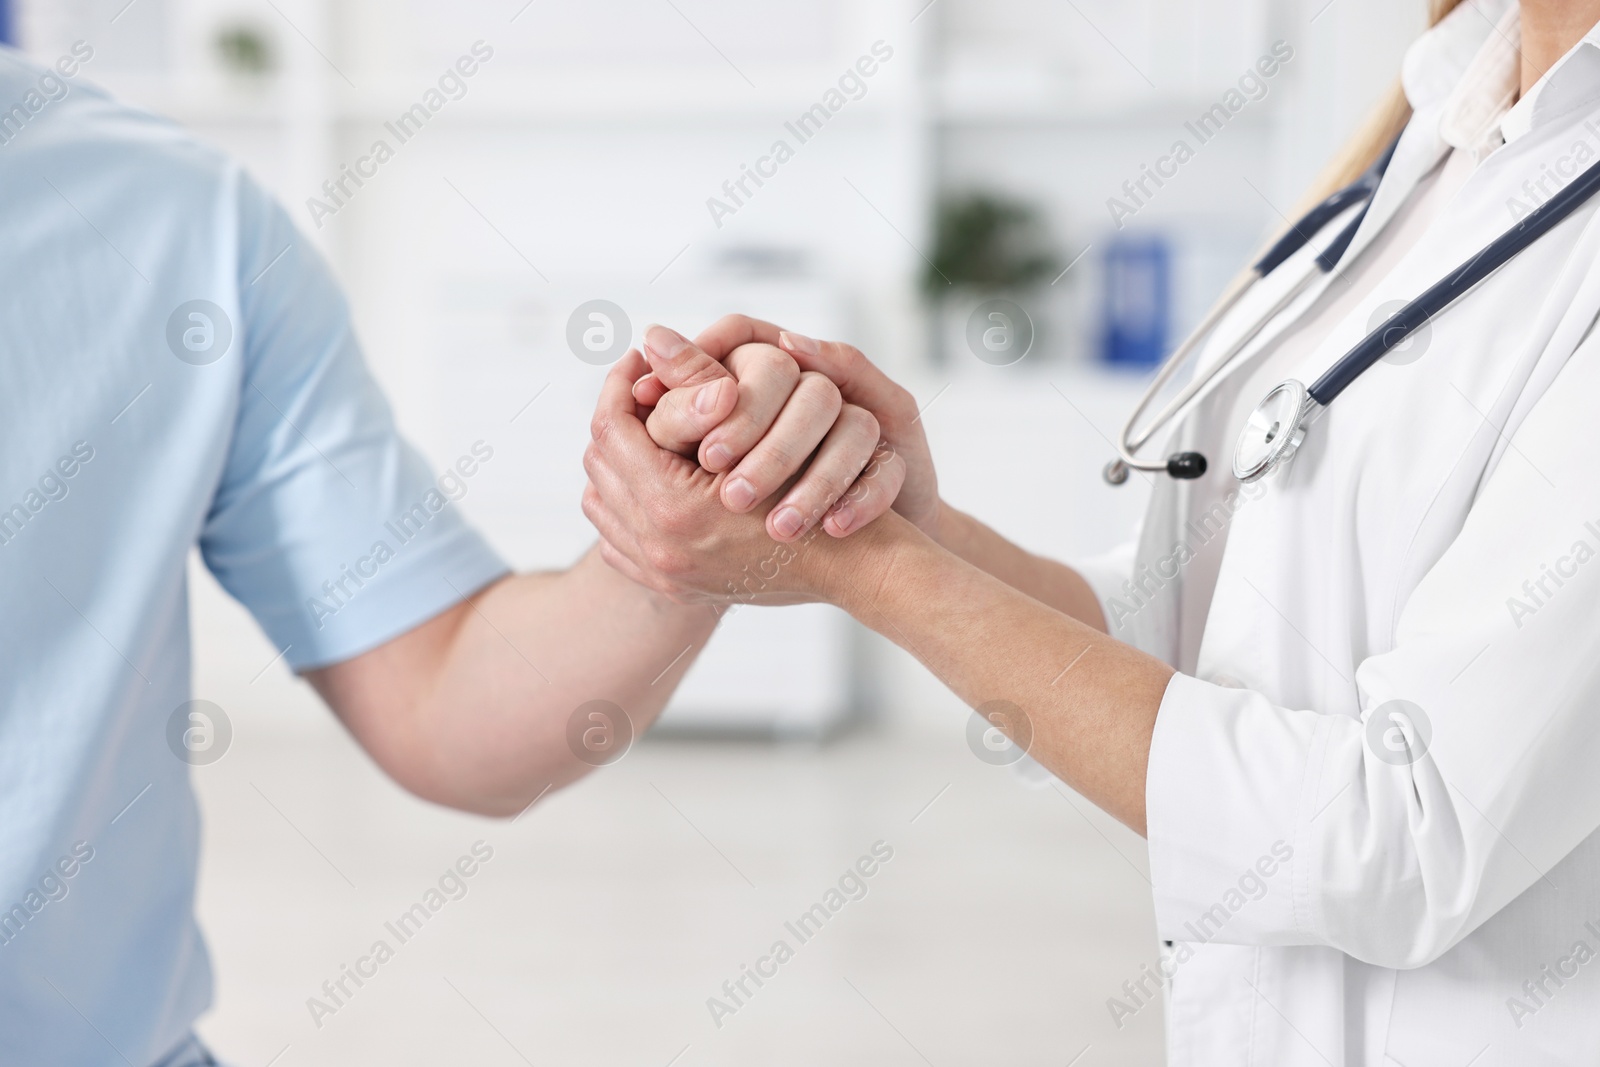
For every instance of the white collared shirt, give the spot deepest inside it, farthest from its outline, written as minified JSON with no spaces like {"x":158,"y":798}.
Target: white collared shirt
{"x":1374,"y":787}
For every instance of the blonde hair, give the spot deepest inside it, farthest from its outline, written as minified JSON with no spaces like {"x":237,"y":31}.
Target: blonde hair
{"x":1380,"y":127}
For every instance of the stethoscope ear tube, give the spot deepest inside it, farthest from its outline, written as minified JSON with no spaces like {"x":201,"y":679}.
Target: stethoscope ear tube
{"x":1299,"y":234}
{"x":1295,"y":238}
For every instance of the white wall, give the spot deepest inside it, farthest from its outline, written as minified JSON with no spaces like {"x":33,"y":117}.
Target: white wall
{"x":579,"y":163}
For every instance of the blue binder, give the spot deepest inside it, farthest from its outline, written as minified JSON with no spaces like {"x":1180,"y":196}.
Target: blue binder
{"x":1137,"y":312}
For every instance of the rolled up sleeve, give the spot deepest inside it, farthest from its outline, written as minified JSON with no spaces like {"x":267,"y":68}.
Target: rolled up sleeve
{"x":1471,"y":771}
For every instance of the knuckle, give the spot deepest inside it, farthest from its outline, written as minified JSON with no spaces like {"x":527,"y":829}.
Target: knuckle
{"x":664,"y":560}
{"x":818,"y":389}
{"x":902,"y":404}
{"x":732,"y":436}
{"x":665,"y":421}
{"x":704,"y":369}
{"x":669,"y":516}
{"x":861,"y":421}
{"x":881,"y":464}
{"x":770,"y":464}
{"x":834,"y":486}
{"x":600,"y":427}
{"x":661,"y":514}
{"x":822,"y":489}
{"x":777,"y":363}
{"x":890,"y":481}
{"x":851,"y":362}
{"x":860,"y":492}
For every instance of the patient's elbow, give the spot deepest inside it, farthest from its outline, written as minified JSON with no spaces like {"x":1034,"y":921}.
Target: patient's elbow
{"x":482,"y":794}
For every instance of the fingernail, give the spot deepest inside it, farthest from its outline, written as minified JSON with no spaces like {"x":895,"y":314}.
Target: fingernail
{"x":705,"y":401}
{"x":787,"y":522}
{"x":664,"y":343}
{"x":798,"y":342}
{"x":718,"y":457}
{"x":843,"y":516}
{"x":739,"y":494}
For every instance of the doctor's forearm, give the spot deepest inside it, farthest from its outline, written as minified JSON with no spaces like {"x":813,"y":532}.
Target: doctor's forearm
{"x":471,"y":709}
{"x":1051,"y":583}
{"x":1091,"y":701}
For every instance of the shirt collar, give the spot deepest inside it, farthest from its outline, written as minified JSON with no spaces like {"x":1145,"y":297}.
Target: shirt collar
{"x":1436,"y":61}
{"x":1486,"y":90}
{"x":1573,"y":82}
{"x":1468,"y":68}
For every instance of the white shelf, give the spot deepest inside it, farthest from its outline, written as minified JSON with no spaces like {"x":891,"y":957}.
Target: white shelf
{"x":1037,"y":93}
{"x":625,"y":96}
{"x":629,"y":97}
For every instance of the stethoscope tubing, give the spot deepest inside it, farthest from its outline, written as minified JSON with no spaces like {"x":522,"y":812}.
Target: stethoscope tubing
{"x":1373,"y":347}
{"x":1194,"y":388}
{"x":1456,"y":284}
{"x":1299,"y":234}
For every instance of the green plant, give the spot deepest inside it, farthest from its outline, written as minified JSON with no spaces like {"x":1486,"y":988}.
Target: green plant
{"x":245,"y":49}
{"x":987,"y":242}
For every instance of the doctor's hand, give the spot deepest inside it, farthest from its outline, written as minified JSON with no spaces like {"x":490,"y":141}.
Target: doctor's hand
{"x":662,"y":517}
{"x":906,"y":479}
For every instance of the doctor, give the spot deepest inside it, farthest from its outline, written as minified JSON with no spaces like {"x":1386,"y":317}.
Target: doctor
{"x":1353,"y":705}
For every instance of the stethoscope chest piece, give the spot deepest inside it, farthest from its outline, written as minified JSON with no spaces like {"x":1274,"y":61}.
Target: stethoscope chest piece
{"x":1274,"y":430}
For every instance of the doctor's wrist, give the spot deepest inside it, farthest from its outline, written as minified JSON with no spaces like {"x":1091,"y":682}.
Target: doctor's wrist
{"x":855,"y":569}
{"x":954,"y":530}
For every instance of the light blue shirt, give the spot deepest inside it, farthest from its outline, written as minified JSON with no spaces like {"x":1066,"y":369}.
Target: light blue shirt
{"x":177,"y":367}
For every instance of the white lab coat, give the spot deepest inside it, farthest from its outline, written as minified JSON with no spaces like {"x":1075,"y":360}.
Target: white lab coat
{"x":1405,"y":555}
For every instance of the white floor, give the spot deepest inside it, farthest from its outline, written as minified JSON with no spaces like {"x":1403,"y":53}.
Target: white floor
{"x":607,"y":915}
{"x":611,"y":912}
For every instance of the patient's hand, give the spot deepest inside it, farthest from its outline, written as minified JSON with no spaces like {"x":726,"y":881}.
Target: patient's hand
{"x":661,"y":515}
{"x":769,"y":426}
{"x":907,"y":480}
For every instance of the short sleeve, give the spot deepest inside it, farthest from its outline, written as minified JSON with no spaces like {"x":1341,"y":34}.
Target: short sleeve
{"x":326,"y":525}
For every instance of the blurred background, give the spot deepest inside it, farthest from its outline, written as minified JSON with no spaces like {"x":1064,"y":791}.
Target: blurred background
{"x":996,"y":161}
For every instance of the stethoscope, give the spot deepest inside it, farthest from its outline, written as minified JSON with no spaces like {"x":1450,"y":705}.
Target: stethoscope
{"x":1278,"y":425}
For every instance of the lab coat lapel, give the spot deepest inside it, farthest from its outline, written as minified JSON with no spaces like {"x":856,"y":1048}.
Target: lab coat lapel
{"x":1419,"y":151}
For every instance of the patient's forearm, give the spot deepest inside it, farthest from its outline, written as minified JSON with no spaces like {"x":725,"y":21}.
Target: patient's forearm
{"x":1090,"y":700}
{"x":1051,"y":583}
{"x":471,"y":709}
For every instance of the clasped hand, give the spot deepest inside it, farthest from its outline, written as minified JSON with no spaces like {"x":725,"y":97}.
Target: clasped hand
{"x":733,"y":468}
